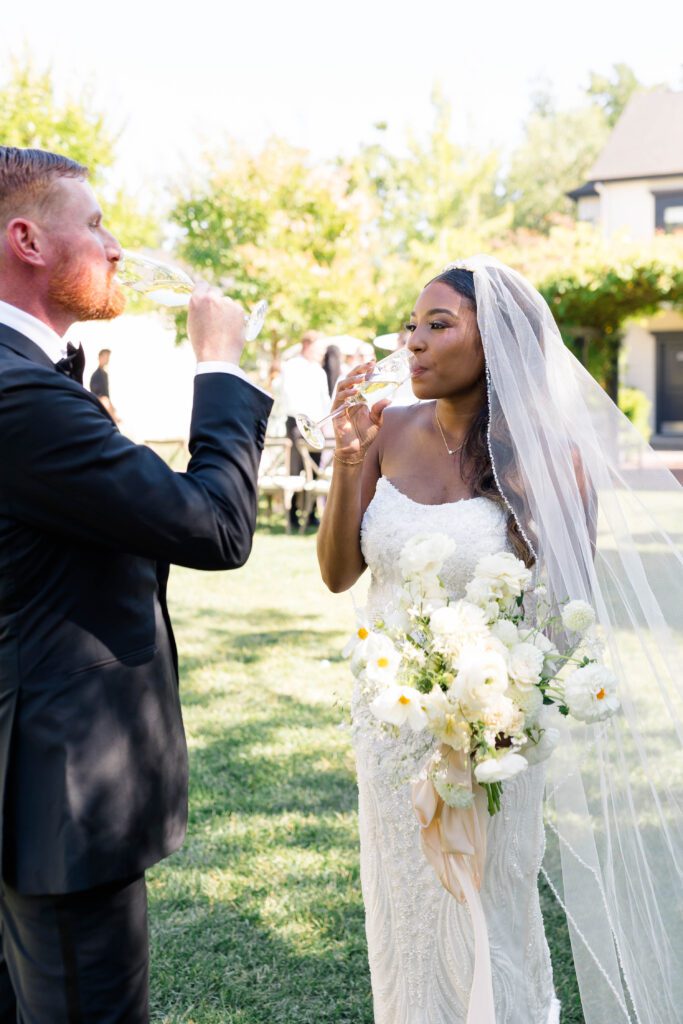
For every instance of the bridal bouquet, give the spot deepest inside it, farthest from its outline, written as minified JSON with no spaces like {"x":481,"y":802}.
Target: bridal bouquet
{"x":473,"y":673}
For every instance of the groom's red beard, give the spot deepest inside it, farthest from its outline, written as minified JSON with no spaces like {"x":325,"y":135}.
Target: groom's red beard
{"x":85,"y":293}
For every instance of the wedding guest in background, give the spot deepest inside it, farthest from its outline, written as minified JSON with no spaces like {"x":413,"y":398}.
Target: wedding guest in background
{"x":304,"y":389}
{"x":99,"y":383}
{"x":332,"y":366}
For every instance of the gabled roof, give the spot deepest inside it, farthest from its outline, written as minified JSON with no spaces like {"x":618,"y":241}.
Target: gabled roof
{"x":647,"y":140}
{"x":588,"y":189}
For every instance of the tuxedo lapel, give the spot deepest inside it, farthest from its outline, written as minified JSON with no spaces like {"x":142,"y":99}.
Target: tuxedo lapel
{"x":23,"y":346}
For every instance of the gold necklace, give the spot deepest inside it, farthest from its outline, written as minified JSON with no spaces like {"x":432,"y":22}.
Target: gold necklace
{"x":451,"y":451}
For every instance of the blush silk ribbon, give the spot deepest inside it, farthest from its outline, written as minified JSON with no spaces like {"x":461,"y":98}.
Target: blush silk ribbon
{"x":454,"y":842}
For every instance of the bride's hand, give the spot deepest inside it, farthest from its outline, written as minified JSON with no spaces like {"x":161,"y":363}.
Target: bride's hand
{"x":357,"y":427}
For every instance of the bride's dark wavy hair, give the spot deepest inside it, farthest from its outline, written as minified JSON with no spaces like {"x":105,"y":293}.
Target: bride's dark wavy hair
{"x":475,"y":464}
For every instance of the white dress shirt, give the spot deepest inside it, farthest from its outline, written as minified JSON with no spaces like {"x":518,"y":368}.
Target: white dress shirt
{"x":53,"y":346}
{"x":304,"y":388}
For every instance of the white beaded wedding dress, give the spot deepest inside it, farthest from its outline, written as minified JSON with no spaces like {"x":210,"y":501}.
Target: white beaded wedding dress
{"x":420,"y":938}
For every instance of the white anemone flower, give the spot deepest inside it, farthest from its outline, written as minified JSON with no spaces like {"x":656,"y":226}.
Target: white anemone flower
{"x":399,"y":705}
{"x":359,"y":635}
{"x":590,"y":693}
{"x":445,"y":719}
{"x":382,"y":659}
{"x":498,"y":769}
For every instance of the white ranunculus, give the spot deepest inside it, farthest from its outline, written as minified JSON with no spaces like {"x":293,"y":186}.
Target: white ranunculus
{"x":500,"y":715}
{"x":425,"y":553}
{"x":506,"y":632}
{"x":498,"y":769}
{"x":590,"y":693}
{"x":422,"y":595}
{"x":381,"y":659}
{"x":540,"y":750}
{"x":529,"y":700}
{"x":577,"y":616}
{"x":479,"y":592}
{"x":445,"y":720}
{"x":482,"y":675}
{"x":507,"y":575}
{"x":525,"y":664}
{"x":399,"y":705}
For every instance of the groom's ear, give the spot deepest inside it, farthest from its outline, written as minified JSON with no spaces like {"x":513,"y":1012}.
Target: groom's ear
{"x":24,"y":238}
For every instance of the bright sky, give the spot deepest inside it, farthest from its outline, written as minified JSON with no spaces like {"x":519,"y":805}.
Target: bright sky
{"x":176,"y":76}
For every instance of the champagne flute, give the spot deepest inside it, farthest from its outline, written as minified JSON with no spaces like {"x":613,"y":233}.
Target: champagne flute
{"x":382,"y":381}
{"x":170,"y":286}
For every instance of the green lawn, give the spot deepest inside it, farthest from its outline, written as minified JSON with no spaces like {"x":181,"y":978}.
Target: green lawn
{"x":259,"y":918}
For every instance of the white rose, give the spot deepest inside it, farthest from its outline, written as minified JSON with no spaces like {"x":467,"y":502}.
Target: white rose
{"x":424,"y":554}
{"x":525,"y":664}
{"x":506,"y":632}
{"x":457,"y":625}
{"x":507,"y":575}
{"x":590,"y":693}
{"x":498,"y":769}
{"x":398,"y":705}
{"x":381,"y":659}
{"x":528,"y":700}
{"x":482,"y":675}
{"x":577,"y":616}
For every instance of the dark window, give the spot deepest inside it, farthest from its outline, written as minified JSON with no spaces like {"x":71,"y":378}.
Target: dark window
{"x":669,"y":211}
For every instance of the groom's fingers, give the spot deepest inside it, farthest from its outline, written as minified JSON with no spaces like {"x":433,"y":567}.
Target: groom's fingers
{"x":215,"y":325}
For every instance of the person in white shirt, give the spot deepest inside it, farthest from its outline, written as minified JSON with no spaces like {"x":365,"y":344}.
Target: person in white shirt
{"x":303,"y":390}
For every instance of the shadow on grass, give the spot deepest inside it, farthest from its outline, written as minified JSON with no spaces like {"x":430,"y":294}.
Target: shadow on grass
{"x":231,"y":968}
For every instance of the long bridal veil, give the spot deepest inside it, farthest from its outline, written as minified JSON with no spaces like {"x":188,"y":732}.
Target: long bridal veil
{"x":602,"y":515}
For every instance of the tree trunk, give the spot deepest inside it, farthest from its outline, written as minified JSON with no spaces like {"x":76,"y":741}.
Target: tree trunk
{"x":613,"y":348}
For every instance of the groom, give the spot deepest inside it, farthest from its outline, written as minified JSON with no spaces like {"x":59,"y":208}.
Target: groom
{"x":93,"y":762}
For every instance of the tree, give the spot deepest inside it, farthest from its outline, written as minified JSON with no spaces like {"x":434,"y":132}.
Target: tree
{"x":611,"y":93}
{"x":593,"y":287}
{"x":31,"y":116}
{"x":435,"y":184}
{"x":275,"y":225}
{"x":559,"y":147}
{"x":555,"y":157}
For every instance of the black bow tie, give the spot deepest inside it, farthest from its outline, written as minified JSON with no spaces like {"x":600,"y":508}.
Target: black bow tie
{"x":73,"y":362}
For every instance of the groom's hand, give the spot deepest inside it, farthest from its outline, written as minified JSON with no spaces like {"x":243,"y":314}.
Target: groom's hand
{"x":215,"y":325}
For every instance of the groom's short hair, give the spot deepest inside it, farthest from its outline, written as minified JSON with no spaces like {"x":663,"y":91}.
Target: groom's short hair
{"x":27,"y":177}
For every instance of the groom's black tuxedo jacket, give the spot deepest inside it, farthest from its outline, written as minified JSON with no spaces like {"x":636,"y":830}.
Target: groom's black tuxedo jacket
{"x":93,"y":762}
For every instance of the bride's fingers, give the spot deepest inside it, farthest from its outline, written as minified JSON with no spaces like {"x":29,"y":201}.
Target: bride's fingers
{"x":377,"y":411}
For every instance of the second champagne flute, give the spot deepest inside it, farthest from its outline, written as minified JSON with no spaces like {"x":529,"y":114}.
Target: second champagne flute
{"x":385,"y":377}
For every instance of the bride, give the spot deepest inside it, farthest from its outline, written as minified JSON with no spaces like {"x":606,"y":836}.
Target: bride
{"x":514,"y":446}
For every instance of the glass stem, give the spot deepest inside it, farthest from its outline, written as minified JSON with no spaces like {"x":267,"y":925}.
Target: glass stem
{"x":337,"y":412}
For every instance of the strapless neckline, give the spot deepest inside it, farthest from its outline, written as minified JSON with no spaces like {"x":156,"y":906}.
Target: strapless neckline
{"x":422,"y":504}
